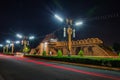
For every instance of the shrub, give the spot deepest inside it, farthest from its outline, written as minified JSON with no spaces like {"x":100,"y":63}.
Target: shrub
{"x":81,"y":53}
{"x":44,"y":53}
{"x":26,"y":49}
{"x":93,"y":61}
{"x":119,"y":54}
{"x":59,"y":53}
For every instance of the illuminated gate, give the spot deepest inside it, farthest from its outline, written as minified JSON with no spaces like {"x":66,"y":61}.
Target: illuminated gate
{"x":90,"y":47}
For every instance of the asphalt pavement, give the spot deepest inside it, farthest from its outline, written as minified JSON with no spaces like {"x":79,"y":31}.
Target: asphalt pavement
{"x":21,"y":68}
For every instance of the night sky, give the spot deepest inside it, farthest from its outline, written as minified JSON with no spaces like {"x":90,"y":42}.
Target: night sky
{"x":36,"y":17}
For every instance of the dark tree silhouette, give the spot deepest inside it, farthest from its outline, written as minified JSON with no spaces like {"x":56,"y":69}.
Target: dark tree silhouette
{"x":116,"y":47}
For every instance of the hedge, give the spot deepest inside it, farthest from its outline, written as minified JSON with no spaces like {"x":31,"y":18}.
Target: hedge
{"x":110,"y":62}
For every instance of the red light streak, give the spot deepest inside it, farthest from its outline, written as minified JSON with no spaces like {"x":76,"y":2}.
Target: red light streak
{"x":74,"y":70}
{"x":62,"y":67}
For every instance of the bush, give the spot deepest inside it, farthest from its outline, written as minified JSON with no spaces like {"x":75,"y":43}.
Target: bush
{"x":94,"y":61}
{"x":26,"y":49}
{"x":81,"y":53}
{"x":119,"y":54}
{"x":44,"y":53}
{"x":59,"y":53}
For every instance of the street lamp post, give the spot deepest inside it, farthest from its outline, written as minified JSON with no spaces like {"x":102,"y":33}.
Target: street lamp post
{"x":3,"y":49}
{"x":2,"y":46}
{"x":7,"y":48}
{"x":11,"y":43}
{"x":24,"y":41}
{"x":70,"y":31}
{"x":12,"y":46}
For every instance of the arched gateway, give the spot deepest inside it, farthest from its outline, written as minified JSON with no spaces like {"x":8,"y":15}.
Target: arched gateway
{"x":90,"y":47}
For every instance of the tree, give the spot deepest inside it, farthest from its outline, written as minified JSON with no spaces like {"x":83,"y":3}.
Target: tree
{"x":44,"y":53}
{"x":119,"y":54}
{"x":116,"y":47}
{"x":26,"y":49}
{"x":59,"y":53}
{"x":81,"y":53}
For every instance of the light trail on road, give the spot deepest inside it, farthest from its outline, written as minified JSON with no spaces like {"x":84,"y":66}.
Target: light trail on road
{"x":28,"y":60}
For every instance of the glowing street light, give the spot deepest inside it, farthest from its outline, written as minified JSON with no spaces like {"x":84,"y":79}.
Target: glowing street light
{"x":25,"y":37}
{"x":1,"y":45}
{"x":78,"y":23}
{"x":8,"y":41}
{"x":17,"y":42}
{"x":69,"y":30}
{"x":25,"y":41}
{"x":31,"y":37}
{"x":58,"y":17}
{"x":11,"y":43}
{"x":4,"y":47}
{"x":61,"y":20}
{"x":19,"y":36}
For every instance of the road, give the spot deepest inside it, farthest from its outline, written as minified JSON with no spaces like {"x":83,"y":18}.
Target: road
{"x":21,"y":68}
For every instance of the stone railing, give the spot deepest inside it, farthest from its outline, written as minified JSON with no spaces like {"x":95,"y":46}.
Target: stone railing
{"x":80,"y":42}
